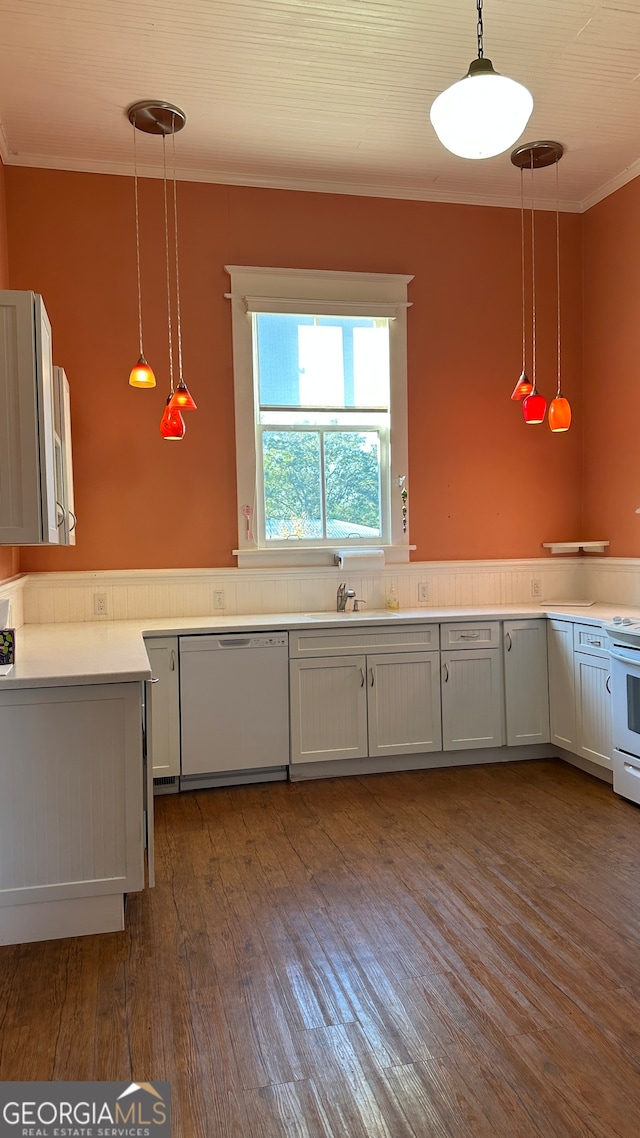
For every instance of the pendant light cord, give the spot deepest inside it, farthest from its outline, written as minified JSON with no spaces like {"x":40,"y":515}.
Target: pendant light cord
{"x":480,"y":29}
{"x":524,"y":317}
{"x":175,"y":228}
{"x":533,"y":282}
{"x":135,"y":194}
{"x":558,"y":266}
{"x":166,"y":248}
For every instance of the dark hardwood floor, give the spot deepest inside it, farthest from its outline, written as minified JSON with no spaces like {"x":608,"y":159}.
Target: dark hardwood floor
{"x":434,"y":954}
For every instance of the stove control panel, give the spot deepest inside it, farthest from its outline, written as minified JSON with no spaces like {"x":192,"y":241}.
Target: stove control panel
{"x":624,"y":629}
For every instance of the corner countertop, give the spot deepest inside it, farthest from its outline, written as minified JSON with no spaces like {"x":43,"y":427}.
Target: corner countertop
{"x":52,"y":655}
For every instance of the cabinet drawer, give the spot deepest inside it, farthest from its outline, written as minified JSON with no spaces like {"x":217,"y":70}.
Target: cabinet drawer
{"x":477,"y":635}
{"x":590,"y":638}
{"x":370,"y":640}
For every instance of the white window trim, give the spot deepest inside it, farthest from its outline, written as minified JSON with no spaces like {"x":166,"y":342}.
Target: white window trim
{"x":258,"y":289}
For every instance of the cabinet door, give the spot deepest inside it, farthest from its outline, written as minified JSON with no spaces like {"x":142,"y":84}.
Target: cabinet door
{"x":593,"y":708}
{"x":63,"y":459}
{"x":472,"y":699}
{"x":27,"y":455}
{"x":165,"y":707}
{"x":403,"y":707}
{"x":328,"y":709}
{"x":526,"y":682}
{"x":562,"y":692}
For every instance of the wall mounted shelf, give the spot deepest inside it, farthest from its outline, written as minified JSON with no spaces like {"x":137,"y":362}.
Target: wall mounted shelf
{"x":575,"y":546}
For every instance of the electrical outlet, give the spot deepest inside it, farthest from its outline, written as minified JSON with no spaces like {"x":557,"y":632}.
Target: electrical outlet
{"x":536,"y":588}
{"x":423,"y":592}
{"x":218,"y":599}
{"x":99,"y":604}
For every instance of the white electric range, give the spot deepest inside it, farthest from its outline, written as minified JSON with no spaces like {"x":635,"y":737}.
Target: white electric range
{"x":624,"y":652}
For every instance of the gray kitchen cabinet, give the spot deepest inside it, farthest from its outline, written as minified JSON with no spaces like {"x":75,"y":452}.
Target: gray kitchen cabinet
{"x":165,"y":712}
{"x":562,"y":684}
{"x":472,"y":686}
{"x":381,"y":700}
{"x":580,"y":700}
{"x":65,"y":504}
{"x":526,"y":687}
{"x":73,"y":811}
{"x":28,"y":511}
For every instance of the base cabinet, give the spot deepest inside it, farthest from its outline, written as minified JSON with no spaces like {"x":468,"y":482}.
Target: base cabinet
{"x":526,"y":687}
{"x":349,"y":707}
{"x":579,"y":690}
{"x":163,"y":657}
{"x":562,"y":686}
{"x":72,"y":826}
{"x":472,"y":699}
{"x":593,"y":709}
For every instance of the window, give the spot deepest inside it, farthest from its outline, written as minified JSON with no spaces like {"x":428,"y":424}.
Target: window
{"x":320,"y":385}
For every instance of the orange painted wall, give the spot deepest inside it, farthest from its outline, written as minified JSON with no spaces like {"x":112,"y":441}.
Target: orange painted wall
{"x":482,"y":483}
{"x":611,"y":475}
{"x":9,"y":557}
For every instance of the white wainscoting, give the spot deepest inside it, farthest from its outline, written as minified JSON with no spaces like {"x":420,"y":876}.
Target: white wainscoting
{"x":132,"y":594}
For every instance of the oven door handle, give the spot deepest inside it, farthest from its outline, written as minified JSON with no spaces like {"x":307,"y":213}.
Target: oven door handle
{"x":634,"y":662}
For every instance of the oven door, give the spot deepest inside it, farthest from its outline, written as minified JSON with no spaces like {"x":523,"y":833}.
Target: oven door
{"x":625,"y":698}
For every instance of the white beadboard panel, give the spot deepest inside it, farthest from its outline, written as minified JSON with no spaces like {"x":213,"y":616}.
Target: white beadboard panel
{"x":62,"y":597}
{"x":327,"y":96}
{"x":13,"y":591}
{"x":57,"y":831}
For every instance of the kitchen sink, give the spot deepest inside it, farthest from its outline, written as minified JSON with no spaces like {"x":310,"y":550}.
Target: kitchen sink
{"x":362,"y":614}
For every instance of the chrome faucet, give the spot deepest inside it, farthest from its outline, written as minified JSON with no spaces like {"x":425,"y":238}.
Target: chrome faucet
{"x":342,"y":597}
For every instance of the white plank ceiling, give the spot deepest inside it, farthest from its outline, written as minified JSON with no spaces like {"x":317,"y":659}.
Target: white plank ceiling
{"x":328,"y":95}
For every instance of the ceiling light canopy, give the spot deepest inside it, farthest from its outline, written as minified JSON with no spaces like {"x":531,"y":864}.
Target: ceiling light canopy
{"x":484,"y":113}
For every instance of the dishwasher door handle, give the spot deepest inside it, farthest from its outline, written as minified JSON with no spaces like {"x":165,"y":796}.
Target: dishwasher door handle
{"x":244,"y":643}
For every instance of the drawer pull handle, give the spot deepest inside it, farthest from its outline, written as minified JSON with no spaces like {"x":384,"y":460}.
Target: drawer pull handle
{"x":155,"y":680}
{"x":508,"y":640}
{"x":632,"y":770}
{"x":469,"y":635}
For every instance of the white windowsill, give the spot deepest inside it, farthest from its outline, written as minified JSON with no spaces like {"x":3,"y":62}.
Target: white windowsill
{"x":310,"y":556}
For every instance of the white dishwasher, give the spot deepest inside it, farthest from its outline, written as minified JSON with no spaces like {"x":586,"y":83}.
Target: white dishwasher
{"x":234,"y":708}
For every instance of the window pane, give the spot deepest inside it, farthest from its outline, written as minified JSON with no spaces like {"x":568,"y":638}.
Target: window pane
{"x":292,"y":485}
{"x":320,"y":356}
{"x":321,"y":361}
{"x":352,"y":483}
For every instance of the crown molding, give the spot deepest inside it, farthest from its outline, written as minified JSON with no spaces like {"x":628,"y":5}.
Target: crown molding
{"x":605,"y":191}
{"x":226,"y":178}
{"x":5,"y":153}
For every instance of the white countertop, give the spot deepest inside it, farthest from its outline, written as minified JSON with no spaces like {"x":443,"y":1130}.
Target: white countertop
{"x":51,"y":655}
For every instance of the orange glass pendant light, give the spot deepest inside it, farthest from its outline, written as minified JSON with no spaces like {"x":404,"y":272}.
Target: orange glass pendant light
{"x":559,"y":414}
{"x":533,"y":156}
{"x":534,"y":407}
{"x":159,"y":118}
{"x":182,"y":399}
{"x":141,"y":374}
{"x":523,"y":387}
{"x":559,"y":408}
{"x":172,"y":424}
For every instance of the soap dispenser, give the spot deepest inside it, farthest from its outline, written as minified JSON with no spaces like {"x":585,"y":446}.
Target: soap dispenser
{"x":391,"y":602}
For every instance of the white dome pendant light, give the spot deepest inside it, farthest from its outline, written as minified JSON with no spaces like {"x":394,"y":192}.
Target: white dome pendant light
{"x":483,"y":114}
